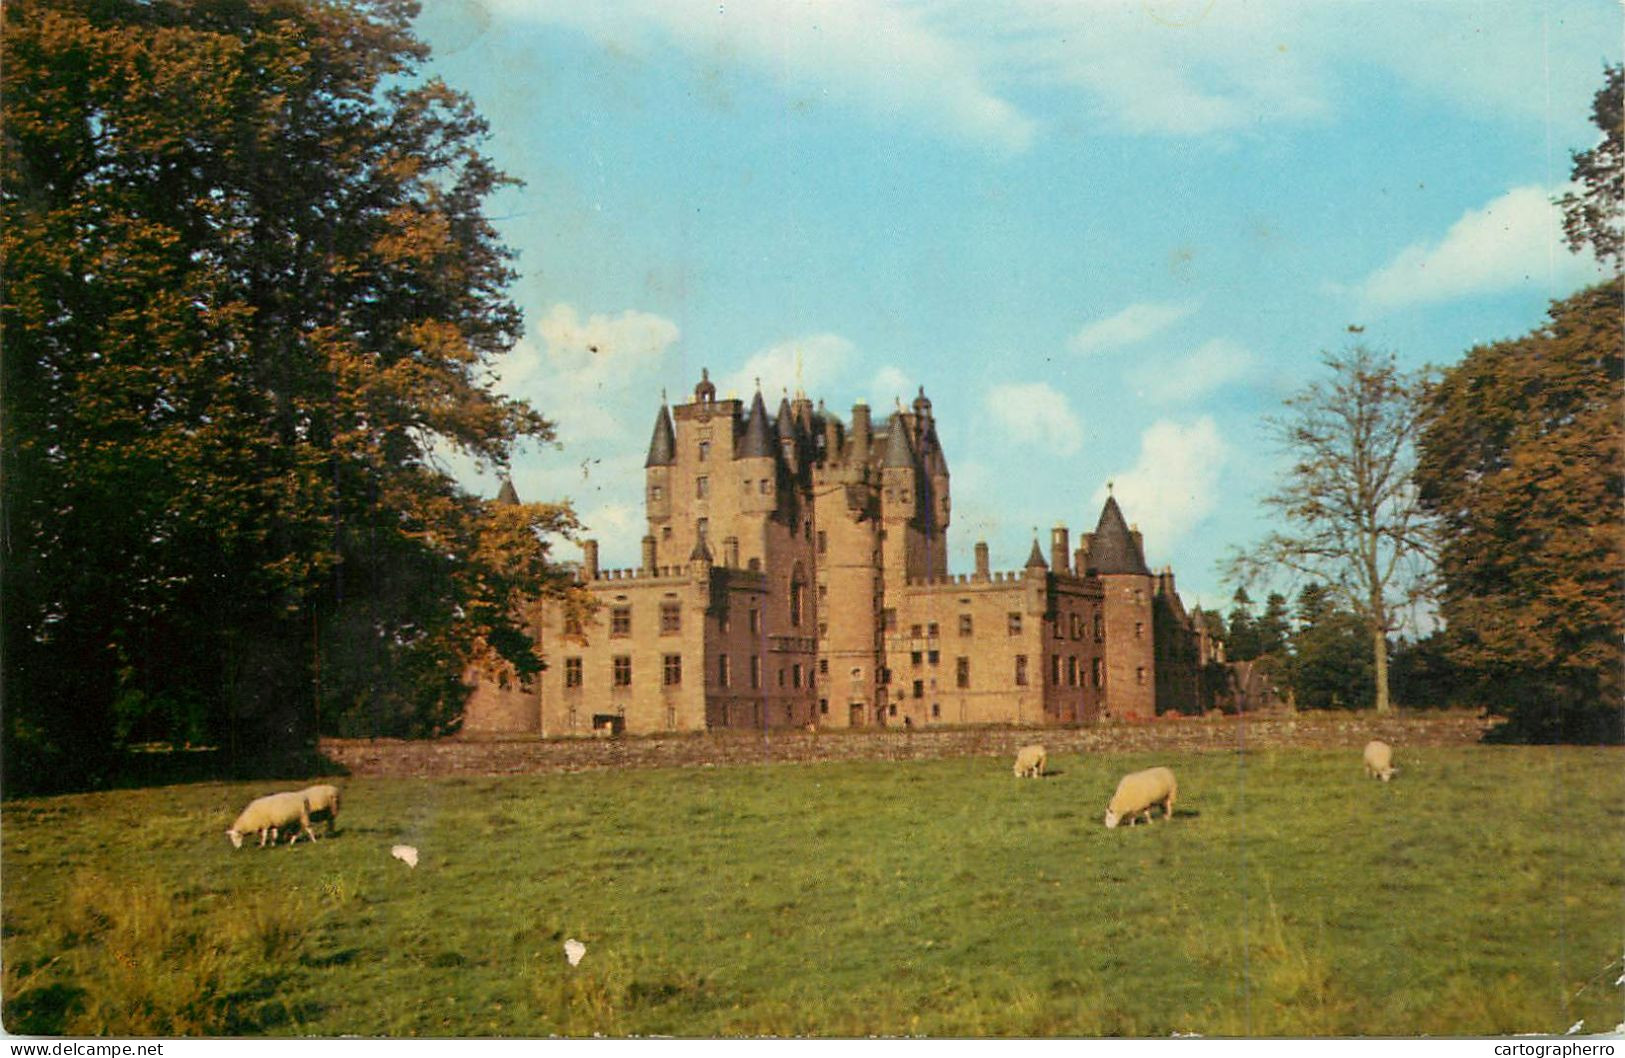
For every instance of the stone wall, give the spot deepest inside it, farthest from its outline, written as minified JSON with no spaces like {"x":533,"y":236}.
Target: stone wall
{"x":471,"y":756}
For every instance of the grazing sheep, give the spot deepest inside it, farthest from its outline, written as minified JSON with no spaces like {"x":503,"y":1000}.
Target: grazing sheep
{"x":1138,"y":791}
{"x":322,"y":802}
{"x":1379,"y":760}
{"x":269,"y":814}
{"x":1030,"y":762}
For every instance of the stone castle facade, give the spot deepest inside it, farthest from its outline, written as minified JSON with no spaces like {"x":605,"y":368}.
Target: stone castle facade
{"x":795,"y":573}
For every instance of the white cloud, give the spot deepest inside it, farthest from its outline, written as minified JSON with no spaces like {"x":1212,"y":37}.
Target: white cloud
{"x":885,"y":58}
{"x":1177,"y":68}
{"x":1516,"y":239}
{"x":807,"y":364}
{"x":1212,"y":365}
{"x":1173,"y":484}
{"x":583,"y":368}
{"x":1034,"y":413}
{"x":1139,"y":321}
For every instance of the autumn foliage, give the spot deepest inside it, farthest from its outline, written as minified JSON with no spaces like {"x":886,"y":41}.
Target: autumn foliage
{"x":250,"y":301}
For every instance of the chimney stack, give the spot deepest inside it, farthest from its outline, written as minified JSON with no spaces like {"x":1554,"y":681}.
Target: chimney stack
{"x":589,"y":559}
{"x":1059,"y":549}
{"x":649,"y":554}
{"x":981,"y":561}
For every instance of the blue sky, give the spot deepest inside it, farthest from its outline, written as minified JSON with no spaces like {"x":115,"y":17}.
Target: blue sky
{"x":1106,"y":237}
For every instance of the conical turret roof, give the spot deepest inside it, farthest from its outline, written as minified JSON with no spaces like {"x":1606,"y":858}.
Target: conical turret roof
{"x":663,"y":445}
{"x":508,"y":494}
{"x":899,"y":453}
{"x":757,"y":443}
{"x":1037,"y":557}
{"x":1113,"y":549}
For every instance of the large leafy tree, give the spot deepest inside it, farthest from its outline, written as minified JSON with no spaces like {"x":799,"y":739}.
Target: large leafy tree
{"x":1523,"y":460}
{"x":249,"y":295}
{"x":1594,"y":214}
{"x":1347,"y":505}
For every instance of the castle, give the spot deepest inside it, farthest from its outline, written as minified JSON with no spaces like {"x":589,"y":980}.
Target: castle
{"x":795,"y":573}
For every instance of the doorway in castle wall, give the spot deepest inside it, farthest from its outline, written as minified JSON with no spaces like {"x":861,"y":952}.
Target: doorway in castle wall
{"x":856,"y":719}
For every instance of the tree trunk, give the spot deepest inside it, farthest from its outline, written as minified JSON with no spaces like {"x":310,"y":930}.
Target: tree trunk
{"x":1379,"y":649}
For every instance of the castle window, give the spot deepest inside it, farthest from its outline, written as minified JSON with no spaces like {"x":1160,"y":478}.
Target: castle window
{"x":1077,"y":626}
{"x":755,"y":673}
{"x":701,"y":527}
{"x":1100,"y":629}
{"x":764,"y":486}
{"x":705,"y":450}
{"x":915,"y":658}
{"x":795,"y":675}
{"x":572,"y":672}
{"x":724,"y":674}
{"x":620,"y":621}
{"x":962,"y":672}
{"x":823,"y":541}
{"x":931,"y":630}
{"x":1015,"y":624}
{"x":665,"y":532}
{"x":936,"y":711}
{"x":888,"y":619}
{"x":622,"y":671}
{"x":1055,"y":670}
{"x":964,"y":624}
{"x":702,"y":487}
{"x":755,"y":620}
{"x":671,"y":670}
{"x":1096,"y":671}
{"x":919,"y":689}
{"x":823,"y":706}
{"x":1139,"y":597}
{"x":806,"y":529}
{"x":932,"y":657}
{"x":671,"y":618}
{"x":1021,"y":670}
{"x":655,"y":493}
{"x":914,"y":631}
{"x":823,"y":666}
{"x":1139,"y":629}
{"x":1139,"y":675}
{"x":781,"y":675}
{"x":892,"y":709}
{"x":1071,"y":672}
{"x":795,"y":603}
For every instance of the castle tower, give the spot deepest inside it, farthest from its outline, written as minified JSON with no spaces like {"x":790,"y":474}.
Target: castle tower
{"x":902,"y":552}
{"x":937,"y":508}
{"x":657,"y":472}
{"x":1116,"y":556}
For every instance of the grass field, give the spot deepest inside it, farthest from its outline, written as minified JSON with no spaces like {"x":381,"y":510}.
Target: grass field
{"x":1481,"y":892}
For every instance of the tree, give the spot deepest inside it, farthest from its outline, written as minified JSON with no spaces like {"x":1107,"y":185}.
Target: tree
{"x":1273,"y":629}
{"x":1331,"y":664}
{"x":250,"y":297}
{"x":1596,"y":214}
{"x":1241,"y":639}
{"x":1348,"y":501}
{"x":1523,"y":462}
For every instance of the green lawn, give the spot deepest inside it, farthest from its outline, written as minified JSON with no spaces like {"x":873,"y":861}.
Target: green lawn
{"x":1481,"y":892}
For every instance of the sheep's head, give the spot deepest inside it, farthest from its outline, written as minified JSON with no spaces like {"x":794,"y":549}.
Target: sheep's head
{"x":236,"y":837}
{"x":1111,"y":819}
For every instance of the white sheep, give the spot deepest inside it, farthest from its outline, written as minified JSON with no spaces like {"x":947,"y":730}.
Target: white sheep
{"x":268,"y":815}
{"x":1379,"y":760}
{"x":1138,"y":791}
{"x":322,"y":802}
{"x":1030,"y":761}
